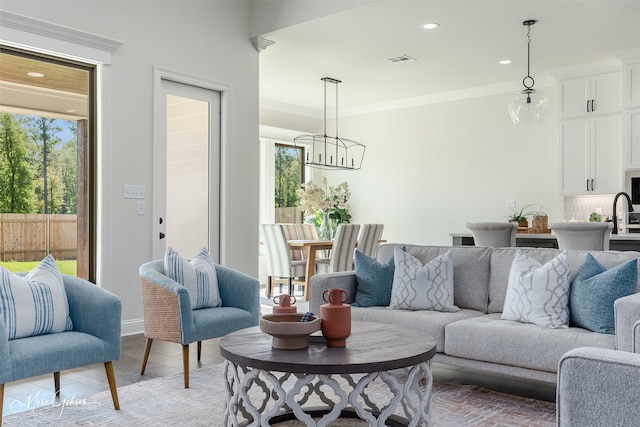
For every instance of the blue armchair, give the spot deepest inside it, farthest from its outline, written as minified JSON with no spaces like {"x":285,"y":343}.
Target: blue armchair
{"x":168,"y":315}
{"x":95,"y":338}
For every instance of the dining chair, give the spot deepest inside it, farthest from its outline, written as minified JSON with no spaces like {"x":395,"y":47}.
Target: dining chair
{"x":291,"y":233}
{"x":369,"y":239}
{"x":493,"y":234}
{"x":280,"y":265}
{"x":344,"y":245}
{"x":586,"y":236}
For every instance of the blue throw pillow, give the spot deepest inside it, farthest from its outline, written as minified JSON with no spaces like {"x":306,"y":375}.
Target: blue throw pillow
{"x":594,"y":290}
{"x":374,"y":281}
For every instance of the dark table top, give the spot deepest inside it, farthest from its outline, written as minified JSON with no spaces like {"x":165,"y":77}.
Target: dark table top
{"x":372,"y":347}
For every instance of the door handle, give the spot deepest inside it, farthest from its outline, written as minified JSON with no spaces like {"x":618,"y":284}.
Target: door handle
{"x":161,"y":235}
{"x":588,"y":106}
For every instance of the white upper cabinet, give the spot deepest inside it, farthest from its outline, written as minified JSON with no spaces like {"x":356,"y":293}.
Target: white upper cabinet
{"x":632,"y":74}
{"x":591,"y":95}
{"x":631,"y":136}
{"x":590,"y":155}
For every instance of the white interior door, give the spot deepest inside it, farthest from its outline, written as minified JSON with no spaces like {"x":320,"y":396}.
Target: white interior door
{"x":187,"y":170}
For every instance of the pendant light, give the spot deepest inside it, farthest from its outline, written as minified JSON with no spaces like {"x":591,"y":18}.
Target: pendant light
{"x":330,"y":152}
{"x":529,"y":106}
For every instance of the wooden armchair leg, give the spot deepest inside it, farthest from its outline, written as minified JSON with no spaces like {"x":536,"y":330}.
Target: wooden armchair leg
{"x":185,"y":364}
{"x":1,"y":402}
{"x":199,"y":350}
{"x":147,"y":350}
{"x":108,"y":366}
{"x":56,"y":383}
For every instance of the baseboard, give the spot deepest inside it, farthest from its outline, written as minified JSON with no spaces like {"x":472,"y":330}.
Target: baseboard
{"x":132,"y":327}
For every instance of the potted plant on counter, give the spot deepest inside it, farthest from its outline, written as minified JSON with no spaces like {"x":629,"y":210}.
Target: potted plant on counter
{"x":521,"y":217}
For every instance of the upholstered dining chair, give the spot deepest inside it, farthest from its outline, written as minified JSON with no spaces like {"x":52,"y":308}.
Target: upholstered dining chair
{"x":280,"y":265}
{"x":493,"y":234}
{"x":586,"y":236}
{"x":291,"y":232}
{"x":344,"y":245}
{"x":369,"y":239}
{"x":168,"y":313}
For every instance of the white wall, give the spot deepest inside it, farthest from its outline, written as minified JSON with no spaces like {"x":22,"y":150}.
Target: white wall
{"x":428,"y":170}
{"x":205,"y":39}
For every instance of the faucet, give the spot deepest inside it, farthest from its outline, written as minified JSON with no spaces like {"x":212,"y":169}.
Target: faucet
{"x":615,"y":217}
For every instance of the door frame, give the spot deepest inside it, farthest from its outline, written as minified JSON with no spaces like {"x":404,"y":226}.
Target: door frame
{"x":160,"y":74}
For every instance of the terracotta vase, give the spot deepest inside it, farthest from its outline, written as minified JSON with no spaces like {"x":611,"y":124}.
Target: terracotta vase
{"x":284,"y":304}
{"x":336,"y":317}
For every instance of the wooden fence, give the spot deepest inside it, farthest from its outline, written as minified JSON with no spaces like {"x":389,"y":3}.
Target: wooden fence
{"x":288,"y":215}
{"x":31,"y":237}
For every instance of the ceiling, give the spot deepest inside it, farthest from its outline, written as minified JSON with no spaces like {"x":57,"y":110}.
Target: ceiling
{"x":462,"y":54}
{"x":57,"y":91}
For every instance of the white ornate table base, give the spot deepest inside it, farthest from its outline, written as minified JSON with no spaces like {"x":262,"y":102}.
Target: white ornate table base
{"x":257,"y":397}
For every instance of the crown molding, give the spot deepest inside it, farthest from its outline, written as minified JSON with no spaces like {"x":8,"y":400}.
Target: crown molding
{"x":417,"y":101}
{"x":280,"y":107}
{"x":42,"y":28}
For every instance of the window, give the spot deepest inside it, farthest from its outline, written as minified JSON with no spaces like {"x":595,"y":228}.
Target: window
{"x":289,"y":176}
{"x":47,"y":200}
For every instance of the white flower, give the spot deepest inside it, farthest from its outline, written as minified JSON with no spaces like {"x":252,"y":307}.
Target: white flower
{"x":323,"y":197}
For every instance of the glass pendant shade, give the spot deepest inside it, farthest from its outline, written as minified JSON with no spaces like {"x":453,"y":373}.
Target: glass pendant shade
{"x":528,"y":107}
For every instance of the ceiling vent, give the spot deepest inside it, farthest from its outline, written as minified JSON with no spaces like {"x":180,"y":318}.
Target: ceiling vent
{"x":401,"y":59}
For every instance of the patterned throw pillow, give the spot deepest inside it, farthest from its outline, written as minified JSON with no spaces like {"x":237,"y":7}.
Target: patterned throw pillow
{"x":537,"y":293}
{"x":373,"y":280}
{"x":197,"y":275}
{"x":594,"y":290}
{"x":418,"y":287}
{"x":35,"y":304}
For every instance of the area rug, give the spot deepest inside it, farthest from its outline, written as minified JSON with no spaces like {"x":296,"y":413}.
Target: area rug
{"x":164,"y":402}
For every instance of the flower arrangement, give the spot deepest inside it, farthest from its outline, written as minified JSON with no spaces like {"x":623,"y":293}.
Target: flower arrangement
{"x":315,"y":199}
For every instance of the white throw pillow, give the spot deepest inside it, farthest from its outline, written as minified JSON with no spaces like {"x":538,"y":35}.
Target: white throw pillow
{"x":538,"y":293}
{"x":35,"y":304}
{"x":197,"y":275}
{"x":418,"y":287}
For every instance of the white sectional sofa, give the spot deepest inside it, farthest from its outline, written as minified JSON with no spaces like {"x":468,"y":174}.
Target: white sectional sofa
{"x":476,"y":336}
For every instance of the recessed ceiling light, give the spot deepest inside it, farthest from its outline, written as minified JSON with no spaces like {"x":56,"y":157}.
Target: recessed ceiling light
{"x":430,"y":25}
{"x":505,"y":61}
{"x":35,"y":74}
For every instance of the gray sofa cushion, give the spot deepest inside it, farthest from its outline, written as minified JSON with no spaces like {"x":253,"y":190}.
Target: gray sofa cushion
{"x":501,"y":259}
{"x":470,"y":271}
{"x":490,"y":339}
{"x":427,"y":321}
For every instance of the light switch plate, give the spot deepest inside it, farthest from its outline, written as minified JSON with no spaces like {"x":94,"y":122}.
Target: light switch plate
{"x":140,"y":207}
{"x":133,"y":191}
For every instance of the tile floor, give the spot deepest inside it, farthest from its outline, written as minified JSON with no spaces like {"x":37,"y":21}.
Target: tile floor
{"x":166,"y":359}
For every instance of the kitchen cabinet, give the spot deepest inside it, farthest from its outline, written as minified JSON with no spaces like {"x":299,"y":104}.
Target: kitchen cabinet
{"x":591,"y":95}
{"x":632,"y":116}
{"x":632,"y":83}
{"x":632,"y":139}
{"x":590,"y":155}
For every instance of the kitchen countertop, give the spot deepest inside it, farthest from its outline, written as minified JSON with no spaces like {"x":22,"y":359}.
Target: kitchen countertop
{"x":551,"y":236}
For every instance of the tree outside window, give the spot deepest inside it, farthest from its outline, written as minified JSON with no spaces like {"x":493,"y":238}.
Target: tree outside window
{"x":289,"y":176}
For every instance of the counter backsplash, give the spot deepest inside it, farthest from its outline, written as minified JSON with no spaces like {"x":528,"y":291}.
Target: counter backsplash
{"x":579,"y":207}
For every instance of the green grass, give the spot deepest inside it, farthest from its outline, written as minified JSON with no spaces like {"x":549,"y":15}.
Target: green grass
{"x":65,"y":266}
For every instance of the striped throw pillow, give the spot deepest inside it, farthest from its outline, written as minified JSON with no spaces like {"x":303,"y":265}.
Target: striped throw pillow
{"x":35,"y":304}
{"x":197,"y":275}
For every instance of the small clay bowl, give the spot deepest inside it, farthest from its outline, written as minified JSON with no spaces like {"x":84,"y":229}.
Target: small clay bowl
{"x":288,"y":332}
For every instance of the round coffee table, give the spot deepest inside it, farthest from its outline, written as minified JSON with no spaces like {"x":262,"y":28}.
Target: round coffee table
{"x":382,"y":376}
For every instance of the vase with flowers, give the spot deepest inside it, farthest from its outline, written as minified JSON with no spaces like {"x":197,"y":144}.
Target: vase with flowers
{"x":327,"y":206}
